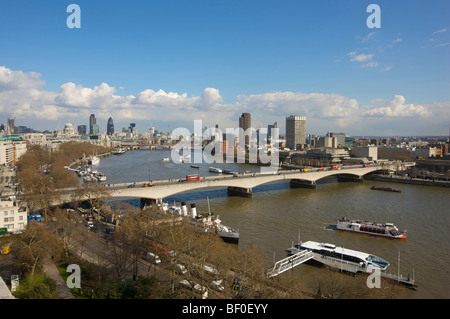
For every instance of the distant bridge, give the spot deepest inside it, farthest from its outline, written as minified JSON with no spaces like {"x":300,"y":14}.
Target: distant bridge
{"x":242,"y":184}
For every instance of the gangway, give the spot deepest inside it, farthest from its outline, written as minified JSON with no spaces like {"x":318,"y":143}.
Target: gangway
{"x":289,"y":263}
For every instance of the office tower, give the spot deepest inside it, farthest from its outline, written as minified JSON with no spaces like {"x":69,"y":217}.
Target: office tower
{"x":245,"y":122}
{"x":295,"y":132}
{"x":81,"y":129}
{"x":92,"y":122}
{"x":272,"y":128}
{"x":132,"y":128}
{"x":110,"y":127}
{"x":95,"y":129}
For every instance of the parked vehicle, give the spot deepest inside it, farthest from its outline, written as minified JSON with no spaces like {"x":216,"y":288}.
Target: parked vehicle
{"x":153,"y":258}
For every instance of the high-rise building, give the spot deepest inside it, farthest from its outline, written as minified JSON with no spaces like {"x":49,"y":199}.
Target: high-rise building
{"x":272,"y":128}
{"x":132,"y":128}
{"x":110,"y":127}
{"x":245,"y":122}
{"x":295,"y":132}
{"x":92,"y":122}
{"x":82,"y":130}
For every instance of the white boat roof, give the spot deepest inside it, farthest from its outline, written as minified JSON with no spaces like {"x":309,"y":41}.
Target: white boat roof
{"x":339,"y":250}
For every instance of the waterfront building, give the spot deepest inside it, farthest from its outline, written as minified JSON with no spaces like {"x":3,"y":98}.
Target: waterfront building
{"x":340,"y":138}
{"x":370,"y":152}
{"x":325,"y":141}
{"x":295,"y":132}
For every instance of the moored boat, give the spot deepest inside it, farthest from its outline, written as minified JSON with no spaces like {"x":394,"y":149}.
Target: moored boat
{"x":388,"y":189}
{"x":387,"y":230}
{"x":334,"y":256}
{"x":94,"y":160}
{"x":206,"y":222}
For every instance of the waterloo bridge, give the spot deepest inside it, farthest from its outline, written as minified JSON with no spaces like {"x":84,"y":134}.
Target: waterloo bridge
{"x":237,"y":184}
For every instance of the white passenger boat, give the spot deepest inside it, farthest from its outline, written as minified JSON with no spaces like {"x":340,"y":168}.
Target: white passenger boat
{"x":333,"y":256}
{"x":94,"y":160}
{"x":386,"y":230}
{"x":215,"y":170}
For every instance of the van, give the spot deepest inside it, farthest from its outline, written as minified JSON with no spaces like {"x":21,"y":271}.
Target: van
{"x":153,"y":258}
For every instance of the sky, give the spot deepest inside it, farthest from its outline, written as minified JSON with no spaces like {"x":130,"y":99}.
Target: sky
{"x":167,"y":63}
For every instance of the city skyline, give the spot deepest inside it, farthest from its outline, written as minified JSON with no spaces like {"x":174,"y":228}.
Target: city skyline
{"x":165,"y":65}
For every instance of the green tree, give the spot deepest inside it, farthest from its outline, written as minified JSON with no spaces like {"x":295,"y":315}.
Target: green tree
{"x":36,"y":287}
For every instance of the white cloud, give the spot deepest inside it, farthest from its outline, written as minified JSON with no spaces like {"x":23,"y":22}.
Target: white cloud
{"x":368,"y":37}
{"x":22,"y":95}
{"x":440,"y":31}
{"x":397,"y":108}
{"x":371,"y":64}
{"x":18,"y":80}
{"x":360,"y":57}
{"x":310,"y":105}
{"x":442,"y":44}
{"x":388,"y":68}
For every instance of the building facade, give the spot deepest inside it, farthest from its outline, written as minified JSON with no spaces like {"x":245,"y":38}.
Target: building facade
{"x":110,"y":127}
{"x":12,"y":215}
{"x":11,"y":151}
{"x":245,"y":122}
{"x":92,"y":123}
{"x":295,"y":132}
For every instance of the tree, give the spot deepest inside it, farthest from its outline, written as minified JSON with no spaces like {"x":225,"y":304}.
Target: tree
{"x":35,"y":244}
{"x":36,"y":287}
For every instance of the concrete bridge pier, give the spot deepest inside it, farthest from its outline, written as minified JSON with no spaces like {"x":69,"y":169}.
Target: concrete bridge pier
{"x":300,"y":183}
{"x":239,"y":191}
{"x":349,"y":178}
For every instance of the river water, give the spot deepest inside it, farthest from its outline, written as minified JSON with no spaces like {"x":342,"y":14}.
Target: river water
{"x":278,"y":215}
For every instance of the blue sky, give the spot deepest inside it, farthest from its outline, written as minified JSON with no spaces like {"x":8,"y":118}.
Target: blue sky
{"x":166,"y":63}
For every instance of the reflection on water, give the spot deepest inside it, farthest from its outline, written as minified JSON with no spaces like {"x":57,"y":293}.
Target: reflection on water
{"x":277,"y":215}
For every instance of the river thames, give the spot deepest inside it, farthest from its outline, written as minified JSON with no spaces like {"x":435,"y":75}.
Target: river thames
{"x":278,"y":215}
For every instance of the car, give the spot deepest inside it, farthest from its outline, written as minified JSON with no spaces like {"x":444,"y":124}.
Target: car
{"x":217,"y":284}
{"x":153,"y":258}
{"x":193,"y":286}
{"x":180,"y":269}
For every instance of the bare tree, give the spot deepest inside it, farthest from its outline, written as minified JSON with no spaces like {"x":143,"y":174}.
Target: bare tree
{"x":34,"y":245}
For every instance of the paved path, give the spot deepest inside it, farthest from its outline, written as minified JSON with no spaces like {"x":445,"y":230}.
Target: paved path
{"x":62,"y":290}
